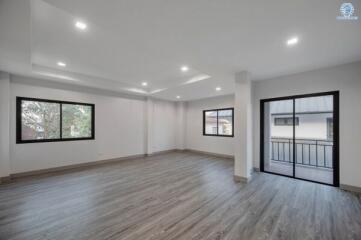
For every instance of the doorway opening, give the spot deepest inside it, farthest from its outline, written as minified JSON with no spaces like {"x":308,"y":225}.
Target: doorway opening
{"x":300,"y":137}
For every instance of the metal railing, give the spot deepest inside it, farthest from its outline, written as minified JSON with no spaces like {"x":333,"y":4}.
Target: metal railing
{"x":309,"y":152}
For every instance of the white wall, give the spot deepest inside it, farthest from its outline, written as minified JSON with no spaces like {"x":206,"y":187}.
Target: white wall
{"x":194,"y":126}
{"x":119,"y":128}
{"x":164,"y":125}
{"x":346,"y":79}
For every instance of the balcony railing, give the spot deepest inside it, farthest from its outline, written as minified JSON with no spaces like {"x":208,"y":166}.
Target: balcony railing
{"x":309,"y":152}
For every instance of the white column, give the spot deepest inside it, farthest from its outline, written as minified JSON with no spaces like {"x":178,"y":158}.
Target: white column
{"x":181,"y":125}
{"x":149,"y":126}
{"x":243,"y":127}
{"x":4,"y":125}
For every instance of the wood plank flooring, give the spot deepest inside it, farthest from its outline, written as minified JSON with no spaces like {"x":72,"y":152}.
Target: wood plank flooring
{"x":178,"y":195}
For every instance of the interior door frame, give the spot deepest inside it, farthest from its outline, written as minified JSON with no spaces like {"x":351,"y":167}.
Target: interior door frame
{"x":336,"y":145}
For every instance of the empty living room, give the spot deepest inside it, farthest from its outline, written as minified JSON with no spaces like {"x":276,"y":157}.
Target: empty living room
{"x":180,"y":120}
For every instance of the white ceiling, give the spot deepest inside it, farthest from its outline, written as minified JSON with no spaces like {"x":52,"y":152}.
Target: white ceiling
{"x":131,"y":41}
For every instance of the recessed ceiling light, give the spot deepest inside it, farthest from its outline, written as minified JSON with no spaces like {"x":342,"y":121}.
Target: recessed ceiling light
{"x":292,"y":41}
{"x":81,"y":25}
{"x":62,"y":64}
{"x":185,"y":68}
{"x":144,"y":84}
{"x":178,"y":97}
{"x":218,"y":88}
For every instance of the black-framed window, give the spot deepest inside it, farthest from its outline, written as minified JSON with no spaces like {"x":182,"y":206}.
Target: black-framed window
{"x":286,"y":121}
{"x":43,"y":120}
{"x":218,"y":122}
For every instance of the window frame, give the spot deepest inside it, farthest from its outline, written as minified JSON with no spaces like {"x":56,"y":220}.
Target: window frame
{"x":19,"y":139}
{"x":288,"y":118}
{"x":217,"y":110}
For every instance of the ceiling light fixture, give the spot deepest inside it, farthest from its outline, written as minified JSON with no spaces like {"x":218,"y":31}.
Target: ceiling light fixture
{"x":62,"y":64}
{"x":218,"y":88}
{"x":81,"y":25}
{"x":184,"y":68}
{"x":292,"y":41}
{"x":144,"y":84}
{"x":178,"y":97}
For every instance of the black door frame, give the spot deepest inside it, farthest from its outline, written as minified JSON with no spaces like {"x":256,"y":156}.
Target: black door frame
{"x":336,"y":151}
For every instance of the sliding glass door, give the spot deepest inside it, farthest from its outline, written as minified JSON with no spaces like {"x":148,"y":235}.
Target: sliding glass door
{"x":299,"y":137}
{"x":278,"y":137}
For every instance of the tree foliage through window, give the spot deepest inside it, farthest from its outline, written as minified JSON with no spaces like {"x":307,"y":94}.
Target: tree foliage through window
{"x":76,"y":121}
{"x":40,"y":120}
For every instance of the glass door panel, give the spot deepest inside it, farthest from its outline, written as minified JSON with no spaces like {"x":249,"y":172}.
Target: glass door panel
{"x":314,"y":139}
{"x":278,"y":137}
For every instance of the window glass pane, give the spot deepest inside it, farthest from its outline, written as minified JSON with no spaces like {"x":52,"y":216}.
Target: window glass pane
{"x":286,"y":121}
{"x":40,"y":120}
{"x":330,"y":128}
{"x":77,"y":121}
{"x":225,"y":122}
{"x":211,"y":122}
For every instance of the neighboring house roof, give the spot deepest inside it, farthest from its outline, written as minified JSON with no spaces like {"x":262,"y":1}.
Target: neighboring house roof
{"x":303,"y":105}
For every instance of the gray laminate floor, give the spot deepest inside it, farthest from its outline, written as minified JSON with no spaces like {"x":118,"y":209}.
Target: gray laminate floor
{"x":174,"y":196}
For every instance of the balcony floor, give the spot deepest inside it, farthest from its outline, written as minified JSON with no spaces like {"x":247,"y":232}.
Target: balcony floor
{"x":305,"y":172}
